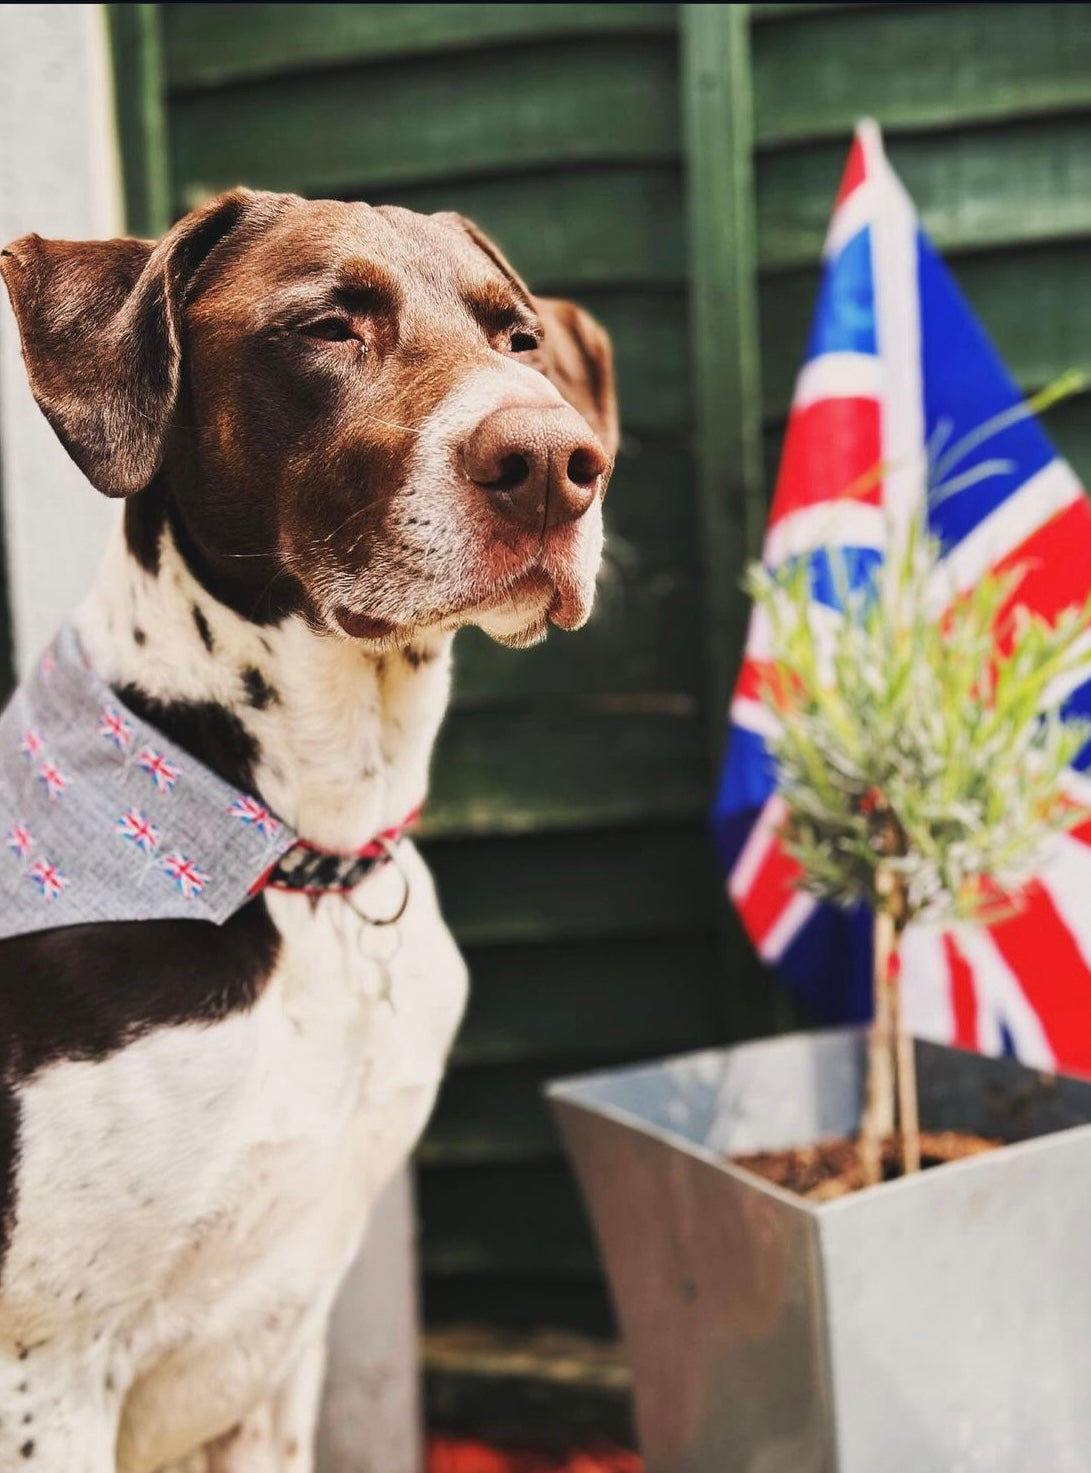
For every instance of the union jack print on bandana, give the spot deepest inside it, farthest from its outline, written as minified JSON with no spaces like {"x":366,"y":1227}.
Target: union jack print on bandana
{"x":163,"y":772}
{"x":185,"y":874}
{"x":249,"y":811}
{"x":48,"y":878}
{"x":899,"y":375}
{"x":31,"y":744}
{"x":19,"y":840}
{"x":52,"y":779}
{"x":115,"y":728}
{"x":139,"y":830}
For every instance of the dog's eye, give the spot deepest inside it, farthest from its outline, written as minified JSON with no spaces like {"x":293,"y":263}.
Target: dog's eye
{"x":523,"y":342}
{"x":329,"y":330}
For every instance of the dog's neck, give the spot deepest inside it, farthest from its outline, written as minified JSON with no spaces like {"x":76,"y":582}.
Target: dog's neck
{"x":335,"y":740}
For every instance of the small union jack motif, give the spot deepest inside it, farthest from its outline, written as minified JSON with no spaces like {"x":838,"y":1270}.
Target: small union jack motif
{"x":249,"y":811}
{"x":185,"y":874}
{"x":162,"y":771}
{"x":138,"y":829}
{"x":31,"y":744}
{"x":48,"y":879}
{"x":19,"y":840}
{"x":114,"y":728}
{"x":52,"y":779}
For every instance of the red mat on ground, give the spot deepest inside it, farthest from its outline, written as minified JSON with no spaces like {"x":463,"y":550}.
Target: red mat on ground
{"x":459,"y":1455}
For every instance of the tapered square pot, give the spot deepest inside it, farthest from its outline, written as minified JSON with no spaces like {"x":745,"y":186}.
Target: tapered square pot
{"x":937,"y":1324}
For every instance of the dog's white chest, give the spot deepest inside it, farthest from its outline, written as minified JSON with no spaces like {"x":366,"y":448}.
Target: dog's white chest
{"x":219,"y":1177}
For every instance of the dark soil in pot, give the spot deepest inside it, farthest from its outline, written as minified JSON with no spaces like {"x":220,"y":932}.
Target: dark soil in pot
{"x":832,"y":1168}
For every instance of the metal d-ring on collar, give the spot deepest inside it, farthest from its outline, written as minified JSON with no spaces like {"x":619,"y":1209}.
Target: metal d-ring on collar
{"x":390,"y":851}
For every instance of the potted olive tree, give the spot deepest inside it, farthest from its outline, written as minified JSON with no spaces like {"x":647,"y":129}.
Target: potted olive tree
{"x":784,"y":1310}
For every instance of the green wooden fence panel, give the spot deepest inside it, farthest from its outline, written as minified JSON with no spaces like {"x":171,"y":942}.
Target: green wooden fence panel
{"x":208,"y":45}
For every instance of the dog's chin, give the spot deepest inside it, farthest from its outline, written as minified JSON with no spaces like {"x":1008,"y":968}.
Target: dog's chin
{"x":516,"y":616}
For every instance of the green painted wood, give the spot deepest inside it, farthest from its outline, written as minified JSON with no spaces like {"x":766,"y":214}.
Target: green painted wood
{"x":1069,"y":426}
{"x":652,"y":353}
{"x":516,"y":1303}
{"x":523,"y":772}
{"x":643,"y":637}
{"x":654,"y":881}
{"x":718,"y":130}
{"x":548,"y":105}
{"x":562,"y":227}
{"x":207,"y":45}
{"x":140,"y":107}
{"x":1008,"y":185}
{"x":494,"y":1113}
{"x":918,"y":67}
{"x":590,"y":999}
{"x":650,"y":511}
{"x":767,"y":10}
{"x":503,"y":1221}
{"x":1033,"y":302}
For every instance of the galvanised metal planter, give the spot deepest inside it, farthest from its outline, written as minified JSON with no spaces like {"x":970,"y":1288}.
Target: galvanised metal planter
{"x":938,"y":1324}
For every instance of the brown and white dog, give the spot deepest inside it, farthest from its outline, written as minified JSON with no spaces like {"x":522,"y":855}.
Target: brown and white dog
{"x":344,"y":432}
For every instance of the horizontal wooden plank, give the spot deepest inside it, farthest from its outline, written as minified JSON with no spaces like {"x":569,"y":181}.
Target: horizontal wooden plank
{"x":524,"y":1387}
{"x":1034,"y":305}
{"x":210,"y":44}
{"x":621,"y":999}
{"x":1002,"y":186}
{"x":650,"y":511}
{"x":771,"y":10}
{"x":541,"y":107}
{"x":515,"y":1303}
{"x":493,"y":1114}
{"x":659,"y":880}
{"x":504,"y":1220}
{"x":918,"y":67}
{"x":614,"y":227}
{"x":642,"y":637}
{"x":523,"y":771}
{"x":651,"y":345}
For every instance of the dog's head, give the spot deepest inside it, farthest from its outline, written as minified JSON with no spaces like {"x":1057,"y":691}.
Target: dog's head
{"x":358,"y":414}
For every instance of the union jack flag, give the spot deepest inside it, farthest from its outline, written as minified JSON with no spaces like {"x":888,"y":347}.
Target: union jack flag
{"x":48,"y":879}
{"x":52,"y":779}
{"x":902,"y":402}
{"x":19,"y":840}
{"x":31,"y":744}
{"x":114,"y":727}
{"x":249,"y":811}
{"x":163,"y":772}
{"x":138,"y":829}
{"x":185,"y":874}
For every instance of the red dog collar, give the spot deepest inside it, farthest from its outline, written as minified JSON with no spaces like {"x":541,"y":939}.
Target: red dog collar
{"x":307,"y":869}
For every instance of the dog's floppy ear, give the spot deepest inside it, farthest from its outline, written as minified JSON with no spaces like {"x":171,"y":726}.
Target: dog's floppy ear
{"x":576,"y":356}
{"x":100,"y":323}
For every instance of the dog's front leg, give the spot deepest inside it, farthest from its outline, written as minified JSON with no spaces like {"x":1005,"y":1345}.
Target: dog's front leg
{"x":277,"y":1436}
{"x":56,"y":1412}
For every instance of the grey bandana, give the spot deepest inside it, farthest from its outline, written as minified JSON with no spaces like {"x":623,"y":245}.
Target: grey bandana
{"x":103,"y":819}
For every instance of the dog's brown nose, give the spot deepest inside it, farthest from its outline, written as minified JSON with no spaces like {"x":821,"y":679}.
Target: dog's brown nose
{"x":539,"y":467}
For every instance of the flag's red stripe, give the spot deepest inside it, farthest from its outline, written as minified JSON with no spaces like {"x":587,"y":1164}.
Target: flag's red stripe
{"x":963,"y":995}
{"x":1055,"y":562}
{"x":831,"y":448}
{"x":1039,"y":948}
{"x":770,"y":891}
{"x":752,"y":680}
{"x":855,"y":173}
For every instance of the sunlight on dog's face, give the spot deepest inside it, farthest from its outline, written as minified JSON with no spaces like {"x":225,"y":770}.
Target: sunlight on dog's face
{"x":361,"y":414}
